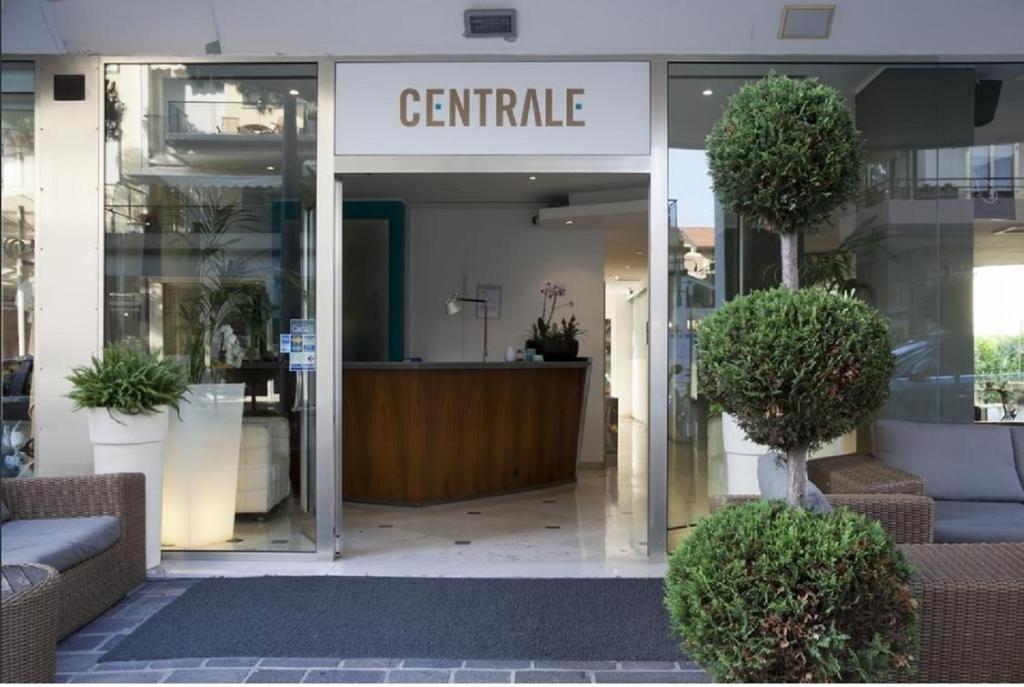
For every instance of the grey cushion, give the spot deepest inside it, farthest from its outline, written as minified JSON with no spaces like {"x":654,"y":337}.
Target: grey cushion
{"x":5,"y":514}
{"x":957,"y":462}
{"x":1017,"y":439}
{"x":61,"y":543}
{"x":773,"y":480}
{"x":978,"y":521}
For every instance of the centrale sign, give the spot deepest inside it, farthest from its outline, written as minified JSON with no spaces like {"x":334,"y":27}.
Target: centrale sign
{"x":521,"y":108}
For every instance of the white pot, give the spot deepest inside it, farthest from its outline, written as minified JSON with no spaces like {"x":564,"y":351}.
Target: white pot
{"x":741,"y":456}
{"x":134,"y":443}
{"x":201,"y":473}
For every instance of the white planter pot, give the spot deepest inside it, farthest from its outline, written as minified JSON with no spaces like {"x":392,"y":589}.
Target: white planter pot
{"x":201,"y":473}
{"x":134,"y":443}
{"x":741,"y":455}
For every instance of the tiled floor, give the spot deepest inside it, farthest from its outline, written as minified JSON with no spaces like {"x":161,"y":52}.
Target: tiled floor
{"x":78,"y":659}
{"x":594,"y":528}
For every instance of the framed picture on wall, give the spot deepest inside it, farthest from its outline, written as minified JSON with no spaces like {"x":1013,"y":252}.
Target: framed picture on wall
{"x":492,"y":308}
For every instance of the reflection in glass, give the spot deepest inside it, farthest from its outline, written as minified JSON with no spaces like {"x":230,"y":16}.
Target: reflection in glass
{"x":210,"y":178}
{"x":18,"y":264}
{"x":936,"y":242}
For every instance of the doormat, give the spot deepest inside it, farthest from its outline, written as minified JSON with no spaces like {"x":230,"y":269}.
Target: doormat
{"x":390,"y":617}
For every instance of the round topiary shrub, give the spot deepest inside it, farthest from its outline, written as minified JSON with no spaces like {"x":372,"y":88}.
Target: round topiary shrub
{"x":764,"y":592}
{"x":797,"y":369}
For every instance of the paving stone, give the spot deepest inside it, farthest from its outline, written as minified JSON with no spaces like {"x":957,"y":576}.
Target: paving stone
{"x":575,"y":665}
{"x":232,"y":661}
{"x":552,"y":676}
{"x":107,"y":624}
{"x":122,"y":665}
{"x":77,"y":642}
{"x":122,"y":676}
{"x":500,"y":665}
{"x":295,"y":662}
{"x":653,"y":676}
{"x":177,"y":663}
{"x":355,"y":676}
{"x":277,"y":675}
{"x":371,"y":663}
{"x":62,"y":678}
{"x":483,"y":675}
{"x":112,"y":642}
{"x":430,"y":663}
{"x":422,"y":675}
{"x":208,"y":675}
{"x":76,"y":663}
{"x":649,"y":665}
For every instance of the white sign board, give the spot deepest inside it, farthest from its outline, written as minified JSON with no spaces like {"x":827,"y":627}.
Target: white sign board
{"x":493,"y":108}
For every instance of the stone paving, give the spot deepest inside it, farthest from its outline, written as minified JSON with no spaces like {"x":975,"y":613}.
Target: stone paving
{"x":78,"y":659}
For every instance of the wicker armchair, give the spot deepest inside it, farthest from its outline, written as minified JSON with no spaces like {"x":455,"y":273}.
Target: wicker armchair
{"x":907,"y":518}
{"x":860,"y":473}
{"x":89,"y":588}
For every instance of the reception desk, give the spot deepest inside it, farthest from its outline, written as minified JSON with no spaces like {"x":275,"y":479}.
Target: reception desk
{"x":424,"y":433}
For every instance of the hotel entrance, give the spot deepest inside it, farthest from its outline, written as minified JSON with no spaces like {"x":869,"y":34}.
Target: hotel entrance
{"x":494,"y":370}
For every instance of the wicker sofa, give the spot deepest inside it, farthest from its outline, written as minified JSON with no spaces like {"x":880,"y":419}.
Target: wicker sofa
{"x":90,"y":587}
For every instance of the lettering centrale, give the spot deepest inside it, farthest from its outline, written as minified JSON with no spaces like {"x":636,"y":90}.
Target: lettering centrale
{"x":484,"y":107}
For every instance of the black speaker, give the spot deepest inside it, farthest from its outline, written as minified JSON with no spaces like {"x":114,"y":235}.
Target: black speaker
{"x":69,"y":86}
{"x":986,"y":99}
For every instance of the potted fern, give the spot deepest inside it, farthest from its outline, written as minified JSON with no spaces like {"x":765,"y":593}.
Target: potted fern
{"x":127,"y":395}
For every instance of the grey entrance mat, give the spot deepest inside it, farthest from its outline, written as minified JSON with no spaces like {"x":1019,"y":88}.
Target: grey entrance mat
{"x":388,"y":617}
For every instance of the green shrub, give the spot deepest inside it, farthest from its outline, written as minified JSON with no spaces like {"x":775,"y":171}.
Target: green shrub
{"x":764,"y":592}
{"x":796,"y":368}
{"x":128,"y":380}
{"x":785,"y":153}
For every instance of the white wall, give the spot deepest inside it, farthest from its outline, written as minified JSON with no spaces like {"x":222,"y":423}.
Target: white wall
{"x":68,"y":232}
{"x":619,"y":311}
{"x":695,"y":28}
{"x":457,"y":247}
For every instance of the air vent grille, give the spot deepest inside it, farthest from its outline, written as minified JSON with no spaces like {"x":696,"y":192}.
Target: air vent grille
{"x":491,"y":24}
{"x":69,"y":86}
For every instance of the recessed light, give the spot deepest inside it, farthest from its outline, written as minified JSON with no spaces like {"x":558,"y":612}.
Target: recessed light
{"x":293,"y":91}
{"x":270,"y":168}
{"x":568,"y":221}
{"x":616,"y":277}
{"x":627,"y":267}
{"x":707,"y":91}
{"x":639,"y":252}
{"x":532,"y":178}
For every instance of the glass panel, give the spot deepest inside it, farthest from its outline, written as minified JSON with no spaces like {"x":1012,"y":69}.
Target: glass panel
{"x":210,"y":254}
{"x":935,"y":242}
{"x":18,"y":115}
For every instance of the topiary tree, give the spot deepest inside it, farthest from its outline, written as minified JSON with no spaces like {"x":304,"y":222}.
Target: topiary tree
{"x":797,"y":369}
{"x":767,"y":593}
{"x":784,"y":155}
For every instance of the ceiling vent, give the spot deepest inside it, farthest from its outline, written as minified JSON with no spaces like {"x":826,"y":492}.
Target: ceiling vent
{"x":491,"y":24}
{"x":69,"y":86}
{"x":806,"y":21}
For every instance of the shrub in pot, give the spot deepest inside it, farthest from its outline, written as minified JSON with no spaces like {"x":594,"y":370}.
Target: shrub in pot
{"x":127,"y":394}
{"x":764,"y":592}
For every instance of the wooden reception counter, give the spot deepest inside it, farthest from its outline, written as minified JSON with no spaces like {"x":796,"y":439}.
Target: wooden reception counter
{"x":423,"y":433}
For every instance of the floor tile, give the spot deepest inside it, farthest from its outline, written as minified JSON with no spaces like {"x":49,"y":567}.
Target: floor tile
{"x":575,"y":665}
{"x":129,"y":676}
{"x":500,"y":665}
{"x":79,"y":642}
{"x":108,"y":666}
{"x":419,"y":675}
{"x":354,"y":676}
{"x":289,"y":662}
{"x":208,"y":675}
{"x":277,"y":675}
{"x":177,"y":663}
{"x":649,"y":665}
{"x":76,"y":663}
{"x":430,"y":663}
{"x":483,"y":676}
{"x":552,"y":676}
{"x":371,"y":663}
{"x":232,"y":661}
{"x":650,"y":677}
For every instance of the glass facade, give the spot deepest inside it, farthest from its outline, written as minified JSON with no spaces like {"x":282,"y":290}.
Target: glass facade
{"x":210,"y":259}
{"x":935,"y":242}
{"x":18,"y":261}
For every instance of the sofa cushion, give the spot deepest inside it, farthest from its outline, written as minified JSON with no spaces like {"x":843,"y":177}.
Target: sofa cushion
{"x":61,"y":543}
{"x":957,"y":462}
{"x":773,"y":480}
{"x":1017,"y":439}
{"x":978,"y":521}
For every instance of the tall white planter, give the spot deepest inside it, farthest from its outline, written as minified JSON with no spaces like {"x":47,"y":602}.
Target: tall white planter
{"x":201,"y":472}
{"x":741,"y":455}
{"x":134,"y":443}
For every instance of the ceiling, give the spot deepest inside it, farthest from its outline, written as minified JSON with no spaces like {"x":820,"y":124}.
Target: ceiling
{"x":625,"y":234}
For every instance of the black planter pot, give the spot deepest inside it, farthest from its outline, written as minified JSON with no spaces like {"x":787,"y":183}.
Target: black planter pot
{"x":559,"y":351}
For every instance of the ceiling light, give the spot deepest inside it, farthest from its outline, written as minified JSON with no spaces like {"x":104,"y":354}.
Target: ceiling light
{"x":707,"y":91}
{"x":270,"y":168}
{"x":627,"y":267}
{"x":293,"y":91}
{"x":806,"y":21}
{"x":616,"y":277}
{"x":568,"y":221}
{"x":639,"y":252}
{"x":532,"y":178}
